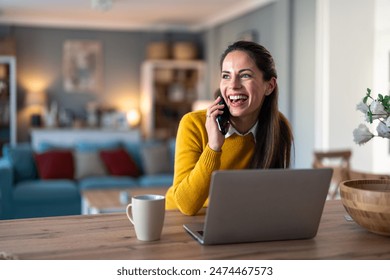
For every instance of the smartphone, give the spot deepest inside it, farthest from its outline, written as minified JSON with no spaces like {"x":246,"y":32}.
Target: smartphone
{"x":223,"y":119}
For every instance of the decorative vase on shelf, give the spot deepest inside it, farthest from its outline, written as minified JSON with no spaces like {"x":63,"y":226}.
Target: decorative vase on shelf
{"x":51,"y":115}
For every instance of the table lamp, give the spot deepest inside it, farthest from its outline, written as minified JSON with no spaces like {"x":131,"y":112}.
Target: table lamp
{"x":36,"y":100}
{"x":133,"y":117}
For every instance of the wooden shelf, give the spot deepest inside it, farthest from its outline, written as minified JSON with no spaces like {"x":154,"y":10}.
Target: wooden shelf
{"x":169,"y":88}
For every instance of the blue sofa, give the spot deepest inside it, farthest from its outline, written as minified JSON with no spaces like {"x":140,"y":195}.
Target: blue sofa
{"x":23,"y":194}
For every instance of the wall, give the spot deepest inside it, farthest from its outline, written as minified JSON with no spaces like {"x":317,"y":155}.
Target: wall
{"x":351,"y":60}
{"x":381,"y":147}
{"x":303,"y":80}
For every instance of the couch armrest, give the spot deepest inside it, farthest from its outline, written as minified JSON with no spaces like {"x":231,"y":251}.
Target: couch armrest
{"x":6,"y":185}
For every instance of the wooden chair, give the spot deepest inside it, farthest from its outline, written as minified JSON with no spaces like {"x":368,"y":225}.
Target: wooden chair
{"x":339,"y":161}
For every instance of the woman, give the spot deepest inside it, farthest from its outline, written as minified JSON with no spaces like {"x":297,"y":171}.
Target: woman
{"x":258,"y":136}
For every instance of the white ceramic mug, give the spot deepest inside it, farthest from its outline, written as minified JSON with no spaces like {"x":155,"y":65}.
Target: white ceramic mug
{"x":147,"y":213}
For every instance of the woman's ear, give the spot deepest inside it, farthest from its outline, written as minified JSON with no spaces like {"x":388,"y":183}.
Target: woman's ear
{"x":271,"y":84}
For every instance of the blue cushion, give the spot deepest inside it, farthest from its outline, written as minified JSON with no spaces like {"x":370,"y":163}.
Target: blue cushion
{"x":22,"y":159}
{"x":46,"y":191}
{"x":160,"y":180}
{"x":107,"y":182}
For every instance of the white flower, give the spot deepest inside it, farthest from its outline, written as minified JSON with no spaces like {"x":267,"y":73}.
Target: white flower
{"x":383,"y":130}
{"x":374,"y":110}
{"x":377,"y":109}
{"x":362,"y":107}
{"x":362,"y":134}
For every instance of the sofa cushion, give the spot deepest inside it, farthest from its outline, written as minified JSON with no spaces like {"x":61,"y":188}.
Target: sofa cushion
{"x":88,"y":164}
{"x":156,"y":158}
{"x":55,"y":164}
{"x":22,"y":159}
{"x":119,"y":163}
{"x":46,"y":190}
{"x":107,"y":182}
{"x":87,"y":158}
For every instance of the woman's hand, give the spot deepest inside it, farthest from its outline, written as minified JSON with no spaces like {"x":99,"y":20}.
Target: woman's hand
{"x":216,"y":138}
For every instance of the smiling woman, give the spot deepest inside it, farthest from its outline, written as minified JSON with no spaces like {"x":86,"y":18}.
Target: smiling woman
{"x":258,"y":136}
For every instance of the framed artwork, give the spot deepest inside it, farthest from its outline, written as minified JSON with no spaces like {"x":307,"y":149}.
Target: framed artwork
{"x":82,"y":66}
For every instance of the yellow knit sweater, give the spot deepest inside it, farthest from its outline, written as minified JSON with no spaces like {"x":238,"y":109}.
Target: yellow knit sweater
{"x":195,"y":161}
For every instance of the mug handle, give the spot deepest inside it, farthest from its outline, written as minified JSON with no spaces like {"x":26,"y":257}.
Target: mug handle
{"x":128,"y":214}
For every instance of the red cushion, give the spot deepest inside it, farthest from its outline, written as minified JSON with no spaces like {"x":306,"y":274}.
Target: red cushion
{"x":118,"y":162}
{"x":55,"y":164}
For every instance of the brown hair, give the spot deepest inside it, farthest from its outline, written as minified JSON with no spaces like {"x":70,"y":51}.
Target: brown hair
{"x":274,"y":137}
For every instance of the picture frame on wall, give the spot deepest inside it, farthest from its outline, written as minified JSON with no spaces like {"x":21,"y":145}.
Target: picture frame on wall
{"x":82,"y":66}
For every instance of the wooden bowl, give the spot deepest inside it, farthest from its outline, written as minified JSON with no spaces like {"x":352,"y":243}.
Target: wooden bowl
{"x":368,"y":203}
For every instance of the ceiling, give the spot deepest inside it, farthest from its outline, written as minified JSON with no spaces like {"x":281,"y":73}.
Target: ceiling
{"x":181,"y":15}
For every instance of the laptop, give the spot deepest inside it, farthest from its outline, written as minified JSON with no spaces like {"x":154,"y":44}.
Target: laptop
{"x":263,"y":205}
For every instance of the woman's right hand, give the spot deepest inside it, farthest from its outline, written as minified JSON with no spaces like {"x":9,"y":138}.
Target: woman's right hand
{"x":216,"y":138}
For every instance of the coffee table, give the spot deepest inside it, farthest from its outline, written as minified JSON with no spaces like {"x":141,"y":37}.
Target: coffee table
{"x":100,"y":201}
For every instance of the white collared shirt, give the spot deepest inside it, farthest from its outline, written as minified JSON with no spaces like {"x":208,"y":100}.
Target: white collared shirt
{"x":232,"y":130}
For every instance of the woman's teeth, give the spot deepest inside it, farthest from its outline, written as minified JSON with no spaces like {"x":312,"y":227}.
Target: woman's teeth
{"x":238,"y":97}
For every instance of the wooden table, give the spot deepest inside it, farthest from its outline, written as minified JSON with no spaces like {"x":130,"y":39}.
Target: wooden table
{"x":111,"y":236}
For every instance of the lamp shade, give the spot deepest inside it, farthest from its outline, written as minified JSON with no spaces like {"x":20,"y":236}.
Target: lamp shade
{"x":133,"y":117}
{"x":35,"y":98}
